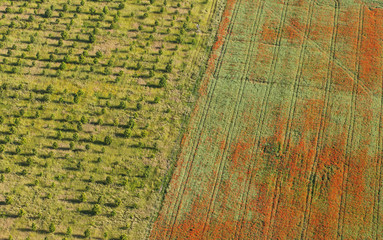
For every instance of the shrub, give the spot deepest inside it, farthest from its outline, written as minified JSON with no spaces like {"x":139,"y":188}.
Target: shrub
{"x":117,"y":202}
{"x":121,"y":6}
{"x":105,"y":10}
{"x":58,"y":135}
{"x":83,"y":120}
{"x":92,"y":38}
{"x":63,"y":66}
{"x":168,"y":68}
{"x":29,"y":161}
{"x":144,"y":133}
{"x":108,"y":180}
{"x":139,"y":66}
{"x":107,"y":140}
{"x":122,"y":105}
{"x":76,"y":98}
{"x":162,"y":82}
{"x":33,"y":227}
{"x":8,"y":200}
{"x":75,"y":137}
{"x":96,"y":209}
{"x":123,"y":237}
{"x":49,"y":89}
{"x":87,"y":233}
{"x":21,"y":212}
{"x":138,"y":106}
{"x":48,"y":13}
{"x":18,"y":150}
{"x":127,"y":132}
{"x":82,"y":197}
{"x":52,"y":228}
{"x":68,"y":232}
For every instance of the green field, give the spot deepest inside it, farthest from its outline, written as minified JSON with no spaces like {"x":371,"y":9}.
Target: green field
{"x":93,"y":95}
{"x":285,"y":140}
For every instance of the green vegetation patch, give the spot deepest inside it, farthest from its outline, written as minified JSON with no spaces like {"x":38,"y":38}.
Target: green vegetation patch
{"x":92,"y":98}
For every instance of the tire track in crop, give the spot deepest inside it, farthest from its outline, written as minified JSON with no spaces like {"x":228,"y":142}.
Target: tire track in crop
{"x":292,"y":109}
{"x":376,"y":208}
{"x":335,"y":60}
{"x":202,"y":41}
{"x":298,"y":75}
{"x":310,"y":189}
{"x":214,"y":8}
{"x":233,"y":122}
{"x":351,"y":129}
{"x":189,"y":164}
{"x":262,"y":116}
{"x":378,"y":187}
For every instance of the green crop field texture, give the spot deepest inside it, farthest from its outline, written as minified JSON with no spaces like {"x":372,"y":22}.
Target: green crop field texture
{"x":285,"y":141}
{"x":93,"y":95}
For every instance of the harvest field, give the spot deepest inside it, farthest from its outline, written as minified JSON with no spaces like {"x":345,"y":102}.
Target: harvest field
{"x":93,"y":95}
{"x":285,"y":141}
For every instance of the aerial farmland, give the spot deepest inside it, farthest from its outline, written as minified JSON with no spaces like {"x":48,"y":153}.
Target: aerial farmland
{"x":196,"y":119}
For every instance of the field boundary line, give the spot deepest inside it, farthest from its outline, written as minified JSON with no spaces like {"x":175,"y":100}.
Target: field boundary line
{"x":379,"y":171}
{"x":189,"y":163}
{"x":186,"y":122}
{"x":378,"y":185}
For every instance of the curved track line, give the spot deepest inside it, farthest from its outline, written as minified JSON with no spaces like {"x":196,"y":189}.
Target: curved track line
{"x":335,"y":60}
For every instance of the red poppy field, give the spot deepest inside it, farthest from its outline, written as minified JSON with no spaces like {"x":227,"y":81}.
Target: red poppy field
{"x":285,"y":141}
